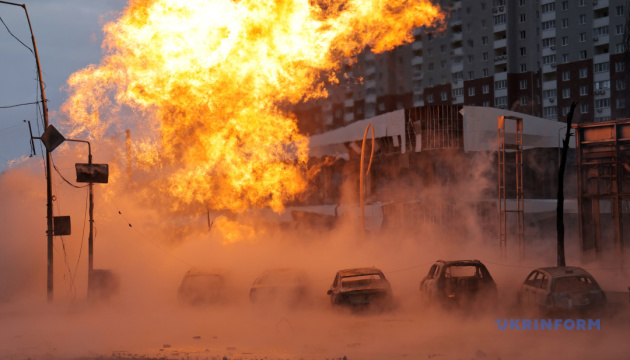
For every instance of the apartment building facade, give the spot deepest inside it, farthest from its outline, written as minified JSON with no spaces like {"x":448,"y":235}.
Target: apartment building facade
{"x":530,"y":56}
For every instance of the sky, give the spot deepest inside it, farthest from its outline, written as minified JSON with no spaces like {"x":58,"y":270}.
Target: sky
{"x":68,"y":34}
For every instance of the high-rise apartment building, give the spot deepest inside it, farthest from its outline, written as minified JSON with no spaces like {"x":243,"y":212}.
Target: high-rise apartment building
{"x":530,"y":56}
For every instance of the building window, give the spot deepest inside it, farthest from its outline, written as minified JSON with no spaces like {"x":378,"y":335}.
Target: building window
{"x":550,"y":112}
{"x":547,"y":25}
{"x":549,"y":59}
{"x":602,"y":103}
{"x":485,"y":88}
{"x":444,"y":95}
{"x":620,"y":66}
{"x":619,"y":10}
{"x":499,"y":19}
{"x":581,"y":3}
{"x":430,"y":66}
{"x":430,"y":98}
{"x":565,"y":40}
{"x":523,"y":68}
{"x":485,"y":56}
{"x":486,"y":103}
{"x":565,"y":58}
{"x":566,"y":75}
{"x":583,"y":108}
{"x":471,"y":59}
{"x":600,"y":31}
{"x":619,"y":29}
{"x":471,"y":75}
{"x":620,"y":84}
{"x":565,"y":110}
{"x":523,"y":100}
{"x":486,"y":73}
{"x":522,"y":18}
{"x":458,"y":92}
{"x":583,"y":55}
{"x":583,"y":73}
{"x":547,"y":94}
{"x":565,"y":23}
{"x":523,"y":84}
{"x":621,"y":103}
{"x":549,"y":42}
{"x":601,"y":67}
{"x":545,"y":8}
{"x":523,"y":34}
{"x":471,"y":91}
{"x":566,"y":93}
{"x":501,"y":102}
{"x":583,"y":90}
{"x":565,"y":5}
{"x":582,"y":37}
{"x":523,"y":51}
{"x":484,"y":40}
{"x":620,"y":48}
{"x":582,"y":19}
{"x":500,"y":84}
{"x":601,"y":85}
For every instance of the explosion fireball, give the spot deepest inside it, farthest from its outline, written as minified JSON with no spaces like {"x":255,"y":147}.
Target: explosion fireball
{"x":207,"y":78}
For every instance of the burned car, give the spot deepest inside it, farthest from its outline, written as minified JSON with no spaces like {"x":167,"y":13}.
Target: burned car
{"x":285,"y":287}
{"x":459,"y":282}
{"x":560,"y":289}
{"x":361,"y":287}
{"x":202,"y":287}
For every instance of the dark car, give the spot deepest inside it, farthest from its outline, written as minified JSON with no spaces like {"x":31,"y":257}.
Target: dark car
{"x":361,"y":287}
{"x":458,"y":282}
{"x":561,"y":288}
{"x":284,"y":287}
{"x":199,"y":287}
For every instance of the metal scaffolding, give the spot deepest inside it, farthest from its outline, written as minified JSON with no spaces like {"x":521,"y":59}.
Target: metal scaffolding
{"x":517,"y":148}
{"x":603,"y":163}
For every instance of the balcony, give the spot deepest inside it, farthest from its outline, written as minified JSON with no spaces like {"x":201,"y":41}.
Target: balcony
{"x":547,"y":68}
{"x":501,"y":59}
{"x":417,"y":60}
{"x":416,"y":45}
{"x":499,"y":44}
{"x":600,"y":4}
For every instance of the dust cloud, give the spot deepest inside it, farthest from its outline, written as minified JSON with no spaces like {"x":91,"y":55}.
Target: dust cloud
{"x":150,"y":252}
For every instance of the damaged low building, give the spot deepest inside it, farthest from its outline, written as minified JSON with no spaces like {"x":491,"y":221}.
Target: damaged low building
{"x":447,"y":166}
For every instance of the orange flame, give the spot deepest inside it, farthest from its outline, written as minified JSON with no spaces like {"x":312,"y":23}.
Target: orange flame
{"x":203,"y":81}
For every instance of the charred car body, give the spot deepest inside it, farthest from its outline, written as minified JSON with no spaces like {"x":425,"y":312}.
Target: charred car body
{"x":458,"y":282}
{"x":284,"y":287}
{"x":200,"y":287}
{"x":560,"y":289}
{"x":360,"y":288}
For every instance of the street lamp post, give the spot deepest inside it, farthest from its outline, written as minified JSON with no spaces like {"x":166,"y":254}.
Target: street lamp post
{"x":49,"y":209}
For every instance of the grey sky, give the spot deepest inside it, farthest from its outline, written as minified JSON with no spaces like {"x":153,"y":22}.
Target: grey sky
{"x":68,"y":35}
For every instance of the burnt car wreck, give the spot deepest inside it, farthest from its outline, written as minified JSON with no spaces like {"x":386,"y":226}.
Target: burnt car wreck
{"x":459,"y":282}
{"x":561,"y":289}
{"x":361,"y":288}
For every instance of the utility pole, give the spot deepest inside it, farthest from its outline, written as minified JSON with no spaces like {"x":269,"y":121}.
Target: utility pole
{"x":49,"y":209}
{"x":560,"y":205}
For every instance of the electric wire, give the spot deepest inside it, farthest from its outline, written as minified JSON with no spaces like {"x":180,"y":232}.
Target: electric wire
{"x":16,"y":105}
{"x":64,"y":179}
{"x":76,"y":267}
{"x":16,"y":38}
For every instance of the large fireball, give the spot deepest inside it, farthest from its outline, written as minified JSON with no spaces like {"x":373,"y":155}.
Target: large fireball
{"x":204,"y":80}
